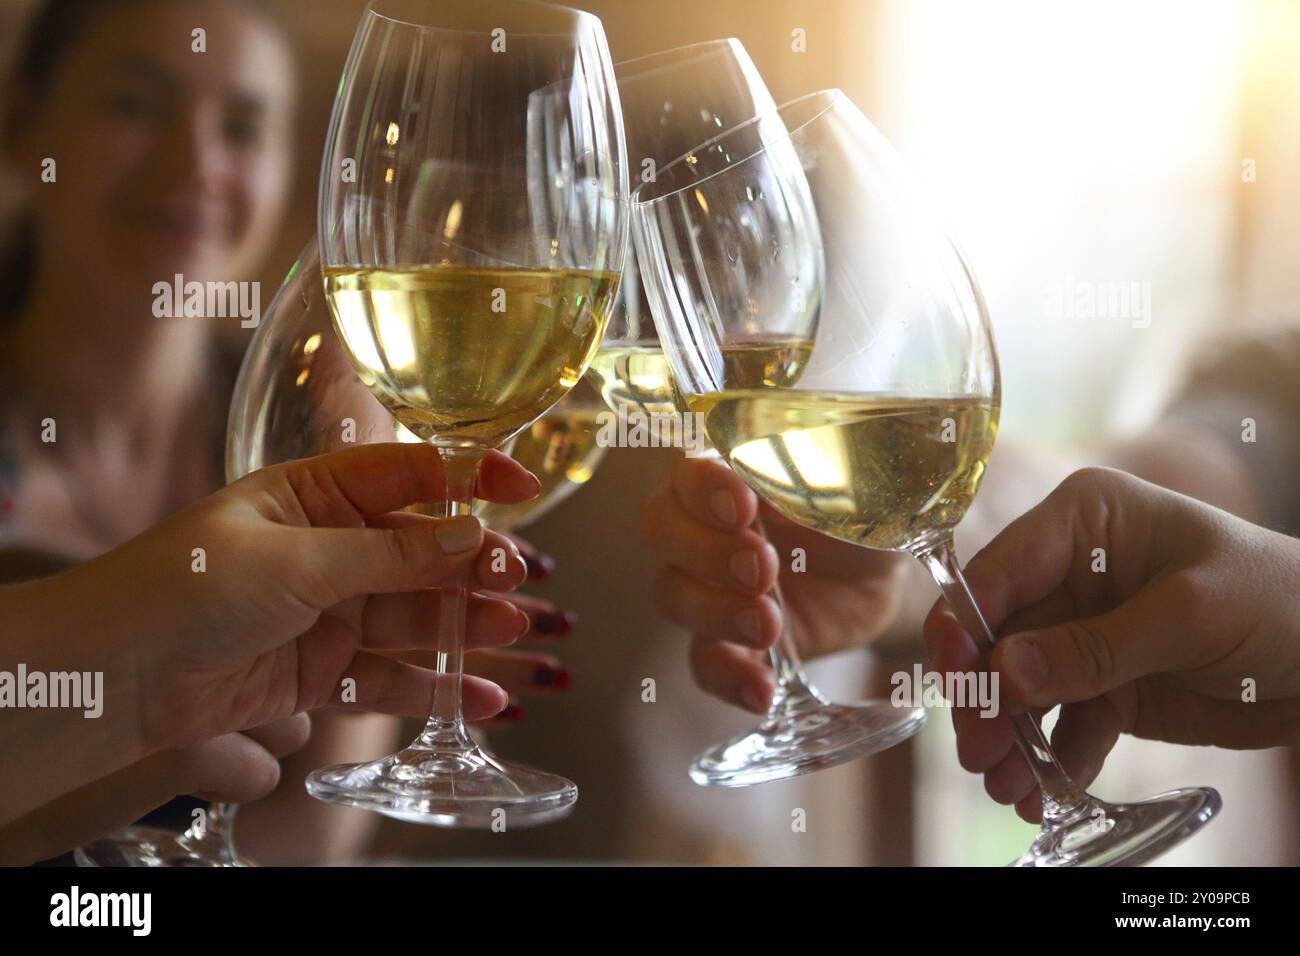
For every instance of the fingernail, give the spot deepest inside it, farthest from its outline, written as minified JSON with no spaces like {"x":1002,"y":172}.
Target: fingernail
{"x":1024,"y":663}
{"x":744,"y":568}
{"x":750,"y":623}
{"x":753,"y":699}
{"x":513,"y":713}
{"x":723,"y":503}
{"x":554,"y":623}
{"x":524,"y":623}
{"x":540,"y":566}
{"x":558,"y":677}
{"x":459,"y":534}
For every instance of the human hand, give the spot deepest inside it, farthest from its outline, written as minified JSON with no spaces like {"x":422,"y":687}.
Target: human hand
{"x":1192,"y":605}
{"x":234,"y":768}
{"x":312,"y":575}
{"x":718,"y":572}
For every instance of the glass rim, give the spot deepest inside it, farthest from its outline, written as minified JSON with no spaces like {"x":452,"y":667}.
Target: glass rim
{"x":580,"y":17}
{"x":832,"y":95}
{"x":697,"y":45}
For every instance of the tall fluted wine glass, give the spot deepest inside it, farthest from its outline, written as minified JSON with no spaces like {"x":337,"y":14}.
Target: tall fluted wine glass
{"x":672,"y":101}
{"x":883,"y":439}
{"x":472,"y":233}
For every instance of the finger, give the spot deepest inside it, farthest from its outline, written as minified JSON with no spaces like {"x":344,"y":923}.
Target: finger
{"x":501,"y":566}
{"x":504,"y":480}
{"x":739,"y":560}
{"x":1080,"y":659}
{"x":282,"y":737}
{"x":1054,"y":541}
{"x":521,"y":673}
{"x":333,"y":565}
{"x":411,"y":620}
{"x":386,"y":685}
{"x":233,"y":768}
{"x":982,"y":742}
{"x":717,"y":614}
{"x":1010,"y":780}
{"x":1084,"y":734}
{"x":1030,"y":809}
{"x":950,"y":647}
{"x":712,"y":494}
{"x":344,"y":487}
{"x":513,"y":714}
{"x":547,"y":621}
{"x":540,"y":566}
{"x":733,"y":674}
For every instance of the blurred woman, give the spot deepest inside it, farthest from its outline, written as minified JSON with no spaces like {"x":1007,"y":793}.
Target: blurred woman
{"x":150,"y":139}
{"x":141,"y":160}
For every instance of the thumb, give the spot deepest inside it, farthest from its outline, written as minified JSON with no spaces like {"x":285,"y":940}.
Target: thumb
{"x":343,"y":563}
{"x":1085,"y":658}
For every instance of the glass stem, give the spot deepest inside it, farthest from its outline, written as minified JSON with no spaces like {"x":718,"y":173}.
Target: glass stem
{"x":794,"y":692}
{"x":219,"y":824}
{"x":445,"y":730}
{"x":1063,"y":800}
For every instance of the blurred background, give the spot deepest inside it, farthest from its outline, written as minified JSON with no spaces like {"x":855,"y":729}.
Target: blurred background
{"x":1152,"y":143}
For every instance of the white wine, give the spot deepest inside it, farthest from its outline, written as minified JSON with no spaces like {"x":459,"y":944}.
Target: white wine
{"x":637,"y":375}
{"x":561,"y":449}
{"x":634,"y":376}
{"x":465,"y":357}
{"x":883,"y":471}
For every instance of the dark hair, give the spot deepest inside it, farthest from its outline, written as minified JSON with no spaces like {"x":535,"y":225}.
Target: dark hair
{"x":52,"y":30}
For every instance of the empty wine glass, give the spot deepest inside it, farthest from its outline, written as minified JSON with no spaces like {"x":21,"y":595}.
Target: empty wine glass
{"x":883,"y":439}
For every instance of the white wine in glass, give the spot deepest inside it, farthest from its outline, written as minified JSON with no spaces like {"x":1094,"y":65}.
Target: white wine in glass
{"x":875,"y":470}
{"x":473,"y":211}
{"x":672,"y":102}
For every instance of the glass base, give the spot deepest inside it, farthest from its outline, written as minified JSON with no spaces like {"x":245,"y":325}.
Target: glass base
{"x":462,"y":788}
{"x":804,"y":734}
{"x":1123,"y":834}
{"x":149,"y":846}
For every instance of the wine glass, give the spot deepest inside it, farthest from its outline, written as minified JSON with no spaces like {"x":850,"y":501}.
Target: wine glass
{"x":472,"y":233}
{"x":883,"y":439}
{"x":671,"y":102}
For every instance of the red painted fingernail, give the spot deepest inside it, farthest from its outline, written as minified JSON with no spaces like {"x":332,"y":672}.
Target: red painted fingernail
{"x":513,"y":713}
{"x":554,"y":623}
{"x":540,"y":566}
{"x":558,"y":677}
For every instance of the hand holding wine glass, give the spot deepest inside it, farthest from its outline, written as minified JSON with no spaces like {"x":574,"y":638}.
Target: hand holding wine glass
{"x":1160,"y":646}
{"x":237,"y":767}
{"x":326,"y":582}
{"x":697,"y":522}
{"x":472,"y":232}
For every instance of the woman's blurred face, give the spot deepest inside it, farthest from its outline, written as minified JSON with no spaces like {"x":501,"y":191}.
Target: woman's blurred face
{"x":169,"y":160}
